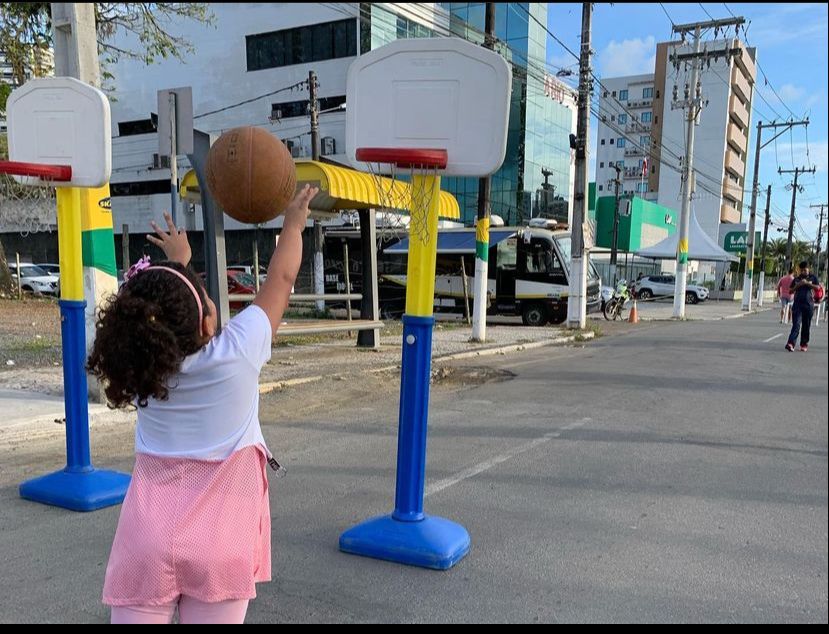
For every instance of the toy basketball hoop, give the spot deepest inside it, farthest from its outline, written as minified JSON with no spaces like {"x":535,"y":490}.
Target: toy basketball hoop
{"x":401,"y":183}
{"x":59,"y":136}
{"x":418,"y":109}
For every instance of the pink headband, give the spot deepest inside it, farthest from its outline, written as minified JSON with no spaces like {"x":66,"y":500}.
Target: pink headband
{"x":144,"y":265}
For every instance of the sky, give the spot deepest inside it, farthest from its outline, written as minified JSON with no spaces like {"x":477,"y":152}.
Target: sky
{"x":791,"y":41}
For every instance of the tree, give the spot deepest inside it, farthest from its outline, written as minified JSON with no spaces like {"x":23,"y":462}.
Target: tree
{"x":26,"y":32}
{"x":26,"y":38}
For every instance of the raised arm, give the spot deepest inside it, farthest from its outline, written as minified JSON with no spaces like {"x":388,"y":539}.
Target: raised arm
{"x":282,"y":271}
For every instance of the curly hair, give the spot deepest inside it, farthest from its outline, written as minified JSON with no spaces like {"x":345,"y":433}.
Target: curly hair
{"x":143,"y":334}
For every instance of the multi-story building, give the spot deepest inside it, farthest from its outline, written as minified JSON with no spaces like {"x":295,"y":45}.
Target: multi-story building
{"x":537,"y":177}
{"x":639,"y":110}
{"x":257,"y":48}
{"x":624,"y":135}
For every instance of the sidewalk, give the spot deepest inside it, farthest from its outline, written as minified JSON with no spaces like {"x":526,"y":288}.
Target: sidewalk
{"x":31,"y":399}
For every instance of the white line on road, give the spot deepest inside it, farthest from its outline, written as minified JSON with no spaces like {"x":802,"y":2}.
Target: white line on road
{"x":779,"y":334}
{"x":474,"y":470}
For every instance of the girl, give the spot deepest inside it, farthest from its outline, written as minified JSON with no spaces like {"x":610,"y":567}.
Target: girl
{"x":194,"y":531}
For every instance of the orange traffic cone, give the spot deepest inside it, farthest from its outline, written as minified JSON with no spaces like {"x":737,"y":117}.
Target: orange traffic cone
{"x":634,"y":314}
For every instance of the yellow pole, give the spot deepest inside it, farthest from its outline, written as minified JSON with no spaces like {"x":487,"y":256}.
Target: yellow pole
{"x":423,"y":240}
{"x":69,"y":244}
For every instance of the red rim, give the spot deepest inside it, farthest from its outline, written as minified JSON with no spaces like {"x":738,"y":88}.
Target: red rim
{"x":38,"y":170}
{"x":404,"y":157}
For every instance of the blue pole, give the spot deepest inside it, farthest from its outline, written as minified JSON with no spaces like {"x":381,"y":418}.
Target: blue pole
{"x":413,"y":417}
{"x":73,"y":335}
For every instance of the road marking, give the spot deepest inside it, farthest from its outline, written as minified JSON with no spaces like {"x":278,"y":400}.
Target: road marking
{"x":474,"y":470}
{"x":779,"y":334}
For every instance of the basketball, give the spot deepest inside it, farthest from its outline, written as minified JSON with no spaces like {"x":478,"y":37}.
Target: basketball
{"x":251,"y":175}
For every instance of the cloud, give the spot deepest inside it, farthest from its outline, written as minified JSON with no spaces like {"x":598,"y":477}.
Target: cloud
{"x":629,"y":57}
{"x":788,"y":23}
{"x":790,"y":92}
{"x":817,"y":156}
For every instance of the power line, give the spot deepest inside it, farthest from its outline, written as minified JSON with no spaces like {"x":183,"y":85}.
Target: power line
{"x":297,"y":86}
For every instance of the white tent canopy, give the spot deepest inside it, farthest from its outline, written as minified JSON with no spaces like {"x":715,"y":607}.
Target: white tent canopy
{"x":700,"y":247}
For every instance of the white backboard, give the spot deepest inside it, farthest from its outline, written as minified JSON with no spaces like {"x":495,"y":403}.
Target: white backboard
{"x":442,"y":93}
{"x":62,"y":121}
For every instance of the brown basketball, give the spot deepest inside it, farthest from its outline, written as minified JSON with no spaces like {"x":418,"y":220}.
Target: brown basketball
{"x":251,"y":174}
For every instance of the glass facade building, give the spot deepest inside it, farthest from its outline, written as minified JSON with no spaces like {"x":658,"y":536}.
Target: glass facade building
{"x":536,"y":177}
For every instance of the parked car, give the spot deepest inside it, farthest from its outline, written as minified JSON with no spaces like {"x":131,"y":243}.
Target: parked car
{"x":263,"y":271}
{"x":663,"y":286}
{"x":51,"y":269}
{"x":34,"y":279}
{"x":238,"y":283}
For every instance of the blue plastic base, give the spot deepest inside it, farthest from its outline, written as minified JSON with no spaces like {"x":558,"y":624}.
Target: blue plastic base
{"x":77,"y":491}
{"x":433,"y":542}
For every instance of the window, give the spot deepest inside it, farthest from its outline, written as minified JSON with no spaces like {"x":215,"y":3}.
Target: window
{"x":621,"y":143}
{"x":623,"y":118}
{"x":611,"y":141}
{"x":647,"y":93}
{"x":141,"y":126}
{"x":601,"y":164}
{"x":601,"y":187}
{"x":644,"y":141}
{"x":620,"y":164}
{"x":613,"y":93}
{"x":506,"y":251}
{"x":140,"y":188}
{"x":641,"y":188}
{"x":602,"y":141}
{"x":288,"y":109}
{"x":613,"y":117}
{"x":647,"y":117}
{"x":623,"y":95}
{"x":656,"y":119}
{"x":302,"y":45}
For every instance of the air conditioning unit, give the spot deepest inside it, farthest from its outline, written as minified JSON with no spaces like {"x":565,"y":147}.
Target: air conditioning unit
{"x":161,"y":161}
{"x":328,"y":146}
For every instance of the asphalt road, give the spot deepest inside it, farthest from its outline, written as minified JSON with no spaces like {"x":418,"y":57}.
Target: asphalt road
{"x":674,"y":472}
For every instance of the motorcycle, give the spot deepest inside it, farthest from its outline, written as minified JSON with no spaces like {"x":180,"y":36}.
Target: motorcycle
{"x":615,"y":305}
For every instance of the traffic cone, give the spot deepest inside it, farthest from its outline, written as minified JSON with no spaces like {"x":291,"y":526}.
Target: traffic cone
{"x":634,"y":314}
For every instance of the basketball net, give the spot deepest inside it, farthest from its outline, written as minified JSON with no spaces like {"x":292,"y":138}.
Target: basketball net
{"x":396,"y":193}
{"x":27,"y":205}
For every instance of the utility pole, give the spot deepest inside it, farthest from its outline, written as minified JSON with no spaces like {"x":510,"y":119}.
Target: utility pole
{"x":613,"y":247}
{"x":747,"y":280}
{"x":480,"y":284}
{"x":822,"y":206}
{"x":577,"y":300}
{"x":762,"y":282}
{"x":319,"y":266}
{"x":797,"y":171}
{"x":693,"y":103}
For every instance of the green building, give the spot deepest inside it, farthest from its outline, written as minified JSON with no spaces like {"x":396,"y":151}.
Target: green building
{"x":641,"y":223}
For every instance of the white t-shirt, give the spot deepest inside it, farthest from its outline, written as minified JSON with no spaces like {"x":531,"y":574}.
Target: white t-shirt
{"x":213,"y":406}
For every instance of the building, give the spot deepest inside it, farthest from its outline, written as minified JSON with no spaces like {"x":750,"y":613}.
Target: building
{"x":638,"y":112}
{"x":266,"y":50}
{"x":537,"y":178}
{"x":624,"y":135}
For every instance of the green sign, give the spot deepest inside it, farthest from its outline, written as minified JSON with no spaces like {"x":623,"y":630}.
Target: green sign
{"x":737,"y":241}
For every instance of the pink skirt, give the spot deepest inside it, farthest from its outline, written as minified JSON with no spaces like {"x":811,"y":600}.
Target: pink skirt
{"x":192,"y":527}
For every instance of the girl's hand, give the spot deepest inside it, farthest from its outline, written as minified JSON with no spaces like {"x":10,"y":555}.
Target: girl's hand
{"x":296,"y":213}
{"x":174,"y":244}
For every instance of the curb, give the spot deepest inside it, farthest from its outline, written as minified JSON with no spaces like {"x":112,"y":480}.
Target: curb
{"x":46,"y":425}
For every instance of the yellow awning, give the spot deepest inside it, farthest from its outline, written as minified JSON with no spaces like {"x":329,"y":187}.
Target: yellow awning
{"x":344,"y":188}
{"x":340,"y":188}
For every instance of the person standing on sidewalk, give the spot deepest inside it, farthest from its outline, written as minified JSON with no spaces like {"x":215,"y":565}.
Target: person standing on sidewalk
{"x":803,"y":304}
{"x":784,"y":294}
{"x":194,"y":533}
